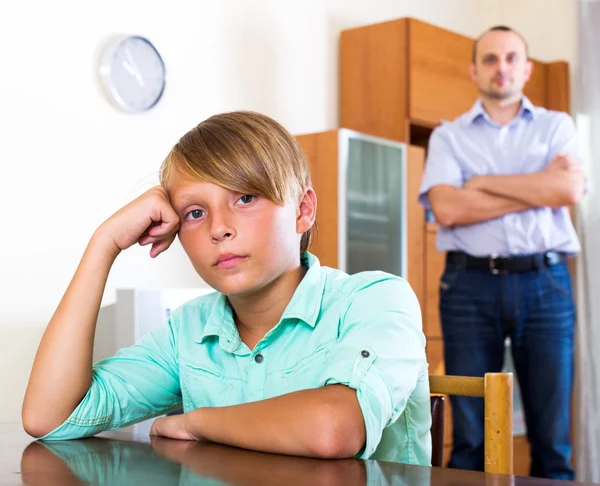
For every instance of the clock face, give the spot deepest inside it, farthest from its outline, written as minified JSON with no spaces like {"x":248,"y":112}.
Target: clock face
{"x":134,"y":73}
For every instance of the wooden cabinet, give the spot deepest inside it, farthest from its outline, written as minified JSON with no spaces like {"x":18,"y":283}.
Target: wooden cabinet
{"x":439,"y":86}
{"x":373,"y":80}
{"x":434,"y":267}
{"x":416,"y":223}
{"x":399,"y":80}
{"x":406,"y":71}
{"x":536,"y":88}
{"x":322,"y":150}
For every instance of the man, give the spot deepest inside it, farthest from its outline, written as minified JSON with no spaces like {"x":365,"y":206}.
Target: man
{"x":499,"y":180}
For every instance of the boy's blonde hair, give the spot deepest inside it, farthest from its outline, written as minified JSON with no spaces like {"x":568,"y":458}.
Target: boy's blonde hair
{"x":245,"y":152}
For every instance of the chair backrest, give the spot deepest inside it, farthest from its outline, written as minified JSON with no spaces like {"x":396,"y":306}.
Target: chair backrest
{"x":497,"y":392}
{"x":437,"y":430}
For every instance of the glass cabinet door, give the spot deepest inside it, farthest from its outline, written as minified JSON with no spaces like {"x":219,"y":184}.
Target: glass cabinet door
{"x":374,"y":173}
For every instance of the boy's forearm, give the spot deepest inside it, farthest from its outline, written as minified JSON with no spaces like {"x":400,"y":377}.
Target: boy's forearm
{"x":324,"y":422}
{"x":61,"y":373}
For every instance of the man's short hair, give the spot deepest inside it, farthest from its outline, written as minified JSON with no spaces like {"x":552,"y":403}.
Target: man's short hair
{"x":501,"y":28}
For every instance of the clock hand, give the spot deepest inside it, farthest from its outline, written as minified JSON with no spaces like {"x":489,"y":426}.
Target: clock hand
{"x":129,"y":69}
{"x":132,"y":63}
{"x":133,"y":72}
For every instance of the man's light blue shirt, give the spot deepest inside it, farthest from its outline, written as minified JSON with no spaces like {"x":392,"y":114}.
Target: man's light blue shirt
{"x":363,"y":331}
{"x":475,"y":145}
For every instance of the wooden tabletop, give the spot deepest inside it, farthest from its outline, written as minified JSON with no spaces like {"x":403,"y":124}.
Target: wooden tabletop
{"x":121,"y":458}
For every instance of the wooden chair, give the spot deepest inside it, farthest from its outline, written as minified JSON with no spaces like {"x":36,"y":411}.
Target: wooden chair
{"x":497,"y":392}
{"x":438,"y":409}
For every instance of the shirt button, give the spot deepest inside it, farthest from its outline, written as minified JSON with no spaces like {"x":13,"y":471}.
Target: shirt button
{"x":259,"y":358}
{"x":365,"y":353}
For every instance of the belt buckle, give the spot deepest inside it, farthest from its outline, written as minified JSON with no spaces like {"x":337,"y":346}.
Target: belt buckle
{"x":492,"y":265}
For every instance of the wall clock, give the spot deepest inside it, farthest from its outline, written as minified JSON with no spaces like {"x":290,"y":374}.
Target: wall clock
{"x":133,"y":73}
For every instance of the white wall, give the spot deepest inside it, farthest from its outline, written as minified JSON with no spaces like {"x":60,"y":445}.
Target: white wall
{"x":68,"y":159}
{"x":550,"y":27}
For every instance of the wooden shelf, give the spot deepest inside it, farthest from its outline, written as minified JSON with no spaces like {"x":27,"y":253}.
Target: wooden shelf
{"x":398,"y":80}
{"x":419,"y":134}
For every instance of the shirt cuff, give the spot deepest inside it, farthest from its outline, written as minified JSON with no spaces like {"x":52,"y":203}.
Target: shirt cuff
{"x":373,"y":396}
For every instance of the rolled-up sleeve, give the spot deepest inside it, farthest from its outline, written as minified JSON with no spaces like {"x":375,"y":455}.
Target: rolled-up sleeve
{"x":441,"y":166}
{"x":380,"y":352}
{"x":138,"y":383}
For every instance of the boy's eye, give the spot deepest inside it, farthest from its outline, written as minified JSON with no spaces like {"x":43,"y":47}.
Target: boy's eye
{"x":194,"y":214}
{"x":246,"y":199}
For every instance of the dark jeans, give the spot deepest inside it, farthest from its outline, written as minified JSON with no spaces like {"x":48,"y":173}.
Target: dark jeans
{"x":478,"y":310}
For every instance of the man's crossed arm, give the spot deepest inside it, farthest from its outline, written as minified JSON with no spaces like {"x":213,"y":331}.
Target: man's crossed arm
{"x":561,"y":183}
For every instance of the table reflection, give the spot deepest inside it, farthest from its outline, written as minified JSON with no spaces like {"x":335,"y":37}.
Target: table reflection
{"x":165,"y":461}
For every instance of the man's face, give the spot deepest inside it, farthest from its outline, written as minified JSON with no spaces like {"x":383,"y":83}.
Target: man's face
{"x":501,"y":68}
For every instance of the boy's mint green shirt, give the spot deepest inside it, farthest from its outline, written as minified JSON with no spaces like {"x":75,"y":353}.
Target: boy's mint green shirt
{"x":361,"y":330}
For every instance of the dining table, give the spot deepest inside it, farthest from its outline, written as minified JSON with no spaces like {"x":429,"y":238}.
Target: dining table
{"x":126,"y":457}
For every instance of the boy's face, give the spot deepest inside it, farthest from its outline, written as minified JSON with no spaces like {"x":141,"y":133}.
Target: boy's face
{"x":237,"y":243}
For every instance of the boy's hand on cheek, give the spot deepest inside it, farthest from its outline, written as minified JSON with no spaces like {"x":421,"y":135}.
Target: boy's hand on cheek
{"x":174,"y":427}
{"x":148,"y":220}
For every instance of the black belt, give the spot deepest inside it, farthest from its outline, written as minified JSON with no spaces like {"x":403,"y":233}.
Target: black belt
{"x":509,"y":264}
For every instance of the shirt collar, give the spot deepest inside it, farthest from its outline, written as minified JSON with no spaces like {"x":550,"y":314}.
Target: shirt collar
{"x":527,"y":110}
{"x":476,"y":111}
{"x":305,"y":306}
{"x":306,"y":301}
{"x":220,"y":323}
